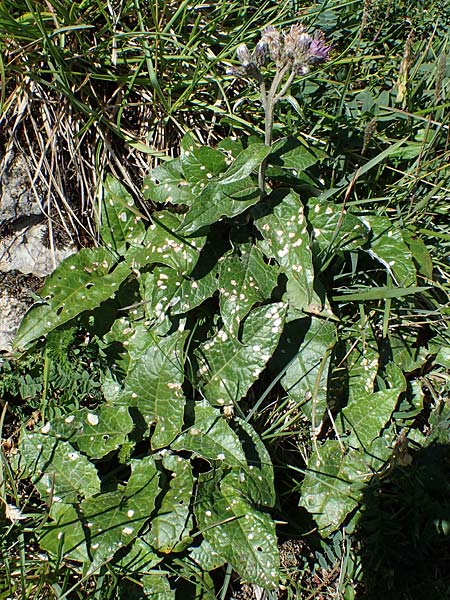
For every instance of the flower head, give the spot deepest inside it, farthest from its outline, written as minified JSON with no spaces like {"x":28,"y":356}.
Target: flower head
{"x":302,"y":50}
{"x":248,"y":63}
{"x":294,"y":49}
{"x":272,"y":38}
{"x":296,"y":42}
{"x":318,"y":50}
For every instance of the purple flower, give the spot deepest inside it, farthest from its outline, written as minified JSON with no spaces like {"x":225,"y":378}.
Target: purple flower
{"x":318,"y":50}
{"x":294,"y":49}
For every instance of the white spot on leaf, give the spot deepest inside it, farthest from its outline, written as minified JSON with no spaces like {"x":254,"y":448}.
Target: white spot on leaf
{"x":92,"y":419}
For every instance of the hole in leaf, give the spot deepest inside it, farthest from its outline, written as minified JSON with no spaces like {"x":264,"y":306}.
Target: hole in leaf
{"x":89,"y":285}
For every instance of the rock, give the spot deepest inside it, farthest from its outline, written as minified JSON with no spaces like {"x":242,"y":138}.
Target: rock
{"x":18,"y":199}
{"x":25,"y":251}
{"x":16,"y":296}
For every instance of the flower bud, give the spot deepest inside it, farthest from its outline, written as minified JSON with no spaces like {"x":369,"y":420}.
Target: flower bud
{"x":301,"y":68}
{"x":260,"y":52}
{"x":243,"y":55}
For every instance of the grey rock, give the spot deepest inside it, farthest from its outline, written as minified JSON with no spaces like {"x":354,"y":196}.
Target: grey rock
{"x":26,"y":250}
{"x":18,"y":198}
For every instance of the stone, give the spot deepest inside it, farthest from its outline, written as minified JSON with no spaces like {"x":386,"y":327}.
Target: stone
{"x":26,"y":254}
{"x":18,"y":198}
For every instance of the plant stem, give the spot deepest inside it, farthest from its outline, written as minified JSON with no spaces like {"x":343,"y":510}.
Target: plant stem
{"x":268,"y":101}
{"x":268,"y":126}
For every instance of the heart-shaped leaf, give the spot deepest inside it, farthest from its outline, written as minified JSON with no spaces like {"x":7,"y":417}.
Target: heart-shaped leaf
{"x":244,"y":280}
{"x":114,"y":519}
{"x":94,"y":432}
{"x":224,"y":355}
{"x":286,"y":239}
{"x":236,"y":531}
{"x":154,"y":386}
{"x":213,"y":439}
{"x":81,"y":282}
{"x":56,"y":468}
{"x":121,"y":222}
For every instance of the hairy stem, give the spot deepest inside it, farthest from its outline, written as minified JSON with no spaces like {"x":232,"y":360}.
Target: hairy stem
{"x":268,"y":101}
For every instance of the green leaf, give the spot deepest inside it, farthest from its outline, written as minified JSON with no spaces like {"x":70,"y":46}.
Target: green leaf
{"x":257,"y":481}
{"x":244,"y":280}
{"x":405,"y":352}
{"x":443,"y":356}
{"x":339,"y":469}
{"x":387,"y":246}
{"x":94,"y":432}
{"x":219,"y":200}
{"x":380,"y":293}
{"x":231,"y":146}
{"x":63,"y":535}
{"x":200,"y":164}
{"x":420,"y":253}
{"x":172,"y":524}
{"x":160,"y":290}
{"x":332,"y":486}
{"x":157,"y":587}
{"x":305,"y":380}
{"x":246,"y":162}
{"x":140,"y":558}
{"x":212,"y":438}
{"x":195,"y":291}
{"x":167,"y":183}
{"x":163,"y":246}
{"x":290,"y":153}
{"x":362,"y":366}
{"x":56,"y":468}
{"x":81,"y":282}
{"x":334,"y":228}
{"x":154,"y":386}
{"x":206,"y":557}
{"x":362,"y":420}
{"x":177,"y":182}
{"x":286,"y":239}
{"x":439,"y":421}
{"x":236,"y":531}
{"x":121,"y":222}
{"x":230,"y":195}
{"x":164,"y":292}
{"x":114,"y":519}
{"x":229,"y":366}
